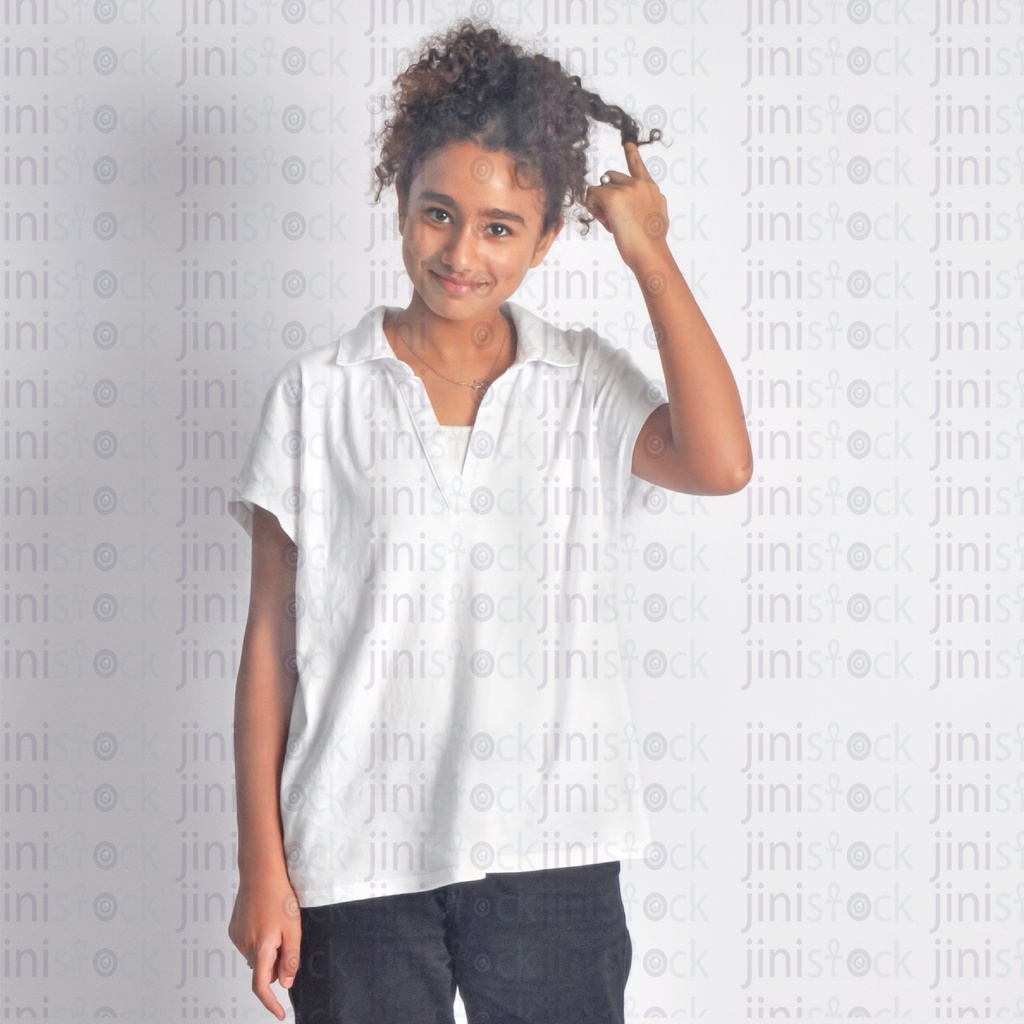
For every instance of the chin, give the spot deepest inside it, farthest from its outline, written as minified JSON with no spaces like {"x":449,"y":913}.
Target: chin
{"x":460,"y":307}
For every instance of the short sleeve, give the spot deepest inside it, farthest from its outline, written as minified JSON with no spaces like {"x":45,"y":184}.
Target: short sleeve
{"x":624,"y":399}
{"x":271,"y":475}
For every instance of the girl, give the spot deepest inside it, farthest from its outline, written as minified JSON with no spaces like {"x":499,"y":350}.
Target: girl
{"x":432,"y":791}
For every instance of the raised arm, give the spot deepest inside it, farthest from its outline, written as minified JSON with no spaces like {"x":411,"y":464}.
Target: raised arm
{"x":697,"y":442}
{"x":265,"y":922}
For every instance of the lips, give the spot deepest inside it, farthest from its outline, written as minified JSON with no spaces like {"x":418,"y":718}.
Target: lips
{"x":455,"y":287}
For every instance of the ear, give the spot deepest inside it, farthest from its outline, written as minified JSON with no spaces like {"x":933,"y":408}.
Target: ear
{"x":545,"y":240}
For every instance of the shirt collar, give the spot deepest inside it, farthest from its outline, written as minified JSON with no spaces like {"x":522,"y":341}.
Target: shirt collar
{"x":537,"y":339}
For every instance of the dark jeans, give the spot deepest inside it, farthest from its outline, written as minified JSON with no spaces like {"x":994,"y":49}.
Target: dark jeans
{"x":532,"y":947}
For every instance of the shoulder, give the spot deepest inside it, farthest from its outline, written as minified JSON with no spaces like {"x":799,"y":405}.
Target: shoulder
{"x":353,"y":348}
{"x":309,"y":364}
{"x":293,"y":382}
{"x":575,"y":345}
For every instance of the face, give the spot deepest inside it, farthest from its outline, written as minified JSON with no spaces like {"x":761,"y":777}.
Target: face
{"x":469,"y":232}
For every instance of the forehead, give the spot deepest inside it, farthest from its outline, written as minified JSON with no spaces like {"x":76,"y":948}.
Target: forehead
{"x":476,"y":179}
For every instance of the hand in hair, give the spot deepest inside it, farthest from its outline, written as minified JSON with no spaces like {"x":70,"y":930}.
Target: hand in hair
{"x":474,"y":83}
{"x":632,"y":208}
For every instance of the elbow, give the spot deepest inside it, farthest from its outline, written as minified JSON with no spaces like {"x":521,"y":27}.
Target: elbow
{"x":733,"y":481}
{"x":712,"y":471}
{"x":743,"y":469}
{"x":731,"y":467}
{"x":743,"y":474}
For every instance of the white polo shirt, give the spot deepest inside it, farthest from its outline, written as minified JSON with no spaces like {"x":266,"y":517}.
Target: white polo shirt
{"x":461,"y":707}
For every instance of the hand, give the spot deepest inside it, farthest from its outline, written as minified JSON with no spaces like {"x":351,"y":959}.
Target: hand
{"x":266,"y":929}
{"x":632,"y":208}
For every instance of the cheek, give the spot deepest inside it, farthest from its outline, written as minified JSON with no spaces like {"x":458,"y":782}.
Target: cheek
{"x":411,"y":260}
{"x":413,"y":247}
{"x":512,"y":261}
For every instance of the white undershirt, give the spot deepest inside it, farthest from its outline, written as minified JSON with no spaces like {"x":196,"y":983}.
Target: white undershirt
{"x":458,"y":442}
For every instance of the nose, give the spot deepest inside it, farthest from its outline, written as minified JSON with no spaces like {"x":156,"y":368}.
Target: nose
{"x":458,"y":253}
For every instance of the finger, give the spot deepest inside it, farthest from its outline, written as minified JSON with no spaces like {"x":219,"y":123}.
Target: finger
{"x":288,"y":961}
{"x":614,"y":178}
{"x":635,"y":162}
{"x":266,"y":957}
{"x":593,"y":205}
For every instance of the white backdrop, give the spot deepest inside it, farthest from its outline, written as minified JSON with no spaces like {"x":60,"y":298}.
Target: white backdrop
{"x":827,"y":666}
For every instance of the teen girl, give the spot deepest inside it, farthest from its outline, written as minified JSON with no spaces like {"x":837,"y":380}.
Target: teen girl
{"x":431,"y":795}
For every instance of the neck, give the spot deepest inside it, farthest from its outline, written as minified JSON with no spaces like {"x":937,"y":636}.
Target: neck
{"x":456,"y":348}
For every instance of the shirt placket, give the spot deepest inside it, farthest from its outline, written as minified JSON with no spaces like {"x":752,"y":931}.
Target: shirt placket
{"x":455,"y":487}
{"x":422,"y":417}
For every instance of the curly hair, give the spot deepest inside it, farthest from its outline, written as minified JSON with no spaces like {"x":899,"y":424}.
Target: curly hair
{"x":473,"y":83}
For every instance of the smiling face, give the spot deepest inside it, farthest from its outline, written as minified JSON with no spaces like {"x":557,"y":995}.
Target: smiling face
{"x":469,"y":232}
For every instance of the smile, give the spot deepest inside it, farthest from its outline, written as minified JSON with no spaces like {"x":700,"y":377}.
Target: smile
{"x":455,"y":287}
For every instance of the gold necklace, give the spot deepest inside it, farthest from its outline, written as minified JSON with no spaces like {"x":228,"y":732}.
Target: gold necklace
{"x":480,"y":386}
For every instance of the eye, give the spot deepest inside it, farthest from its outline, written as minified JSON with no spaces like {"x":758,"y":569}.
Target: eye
{"x":430,"y":211}
{"x":506,"y":231}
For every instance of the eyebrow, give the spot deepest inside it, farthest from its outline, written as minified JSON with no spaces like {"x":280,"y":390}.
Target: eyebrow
{"x":440,"y":197}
